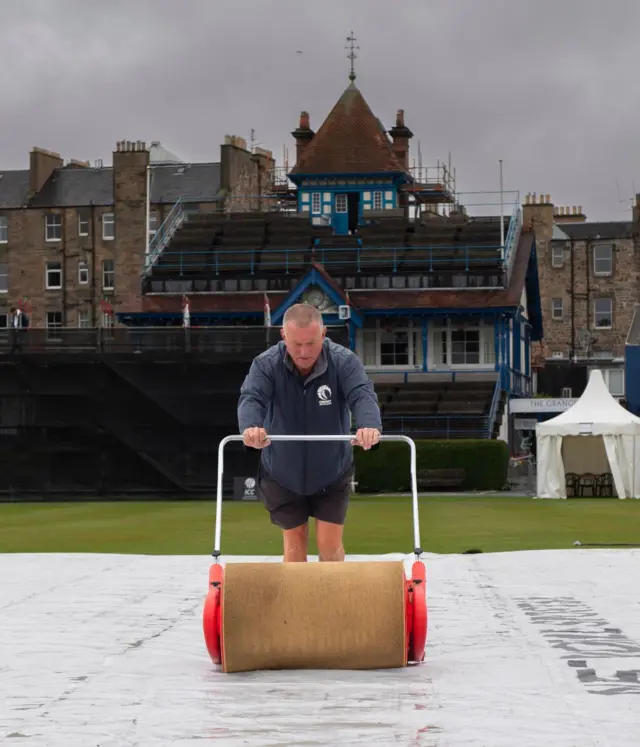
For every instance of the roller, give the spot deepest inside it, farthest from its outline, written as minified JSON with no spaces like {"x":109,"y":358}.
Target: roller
{"x":328,"y":615}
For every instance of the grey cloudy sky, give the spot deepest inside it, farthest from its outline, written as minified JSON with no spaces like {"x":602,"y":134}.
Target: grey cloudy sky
{"x":549,"y":86}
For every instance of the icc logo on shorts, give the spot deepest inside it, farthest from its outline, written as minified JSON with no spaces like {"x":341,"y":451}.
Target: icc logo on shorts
{"x":324,"y":395}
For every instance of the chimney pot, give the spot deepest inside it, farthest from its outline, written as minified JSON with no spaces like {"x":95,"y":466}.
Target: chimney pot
{"x":400,"y":118}
{"x":305,"y":121}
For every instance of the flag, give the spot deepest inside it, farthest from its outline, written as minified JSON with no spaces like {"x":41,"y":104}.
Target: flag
{"x":186,"y":314}
{"x":267,"y":311}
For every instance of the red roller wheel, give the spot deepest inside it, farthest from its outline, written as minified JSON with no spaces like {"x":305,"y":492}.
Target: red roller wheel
{"x":211,"y":617}
{"x":416,"y":613}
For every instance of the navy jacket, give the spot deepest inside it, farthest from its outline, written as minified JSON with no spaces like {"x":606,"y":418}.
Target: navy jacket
{"x":276,"y":397}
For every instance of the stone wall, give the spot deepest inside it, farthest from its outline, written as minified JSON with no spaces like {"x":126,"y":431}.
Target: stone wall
{"x":245,"y":177}
{"x":577,"y":287}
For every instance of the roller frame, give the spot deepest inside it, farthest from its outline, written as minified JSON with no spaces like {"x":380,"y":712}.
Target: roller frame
{"x":415,"y":586}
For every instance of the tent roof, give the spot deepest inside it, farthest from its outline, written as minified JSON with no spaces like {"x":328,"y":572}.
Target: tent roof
{"x":595,"y":413}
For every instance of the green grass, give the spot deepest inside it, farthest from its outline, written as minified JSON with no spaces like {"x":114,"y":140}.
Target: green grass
{"x":374,"y":525}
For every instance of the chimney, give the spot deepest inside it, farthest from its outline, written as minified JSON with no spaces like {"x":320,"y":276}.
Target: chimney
{"x":130,"y":162}
{"x":303,"y":135}
{"x":42,"y":163}
{"x":401,"y":134}
{"x":74,"y":163}
{"x":538,"y":215}
{"x":569,"y":214}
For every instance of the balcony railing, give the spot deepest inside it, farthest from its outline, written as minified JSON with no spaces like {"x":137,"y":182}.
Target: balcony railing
{"x":226,"y":341}
{"x":357,"y":258}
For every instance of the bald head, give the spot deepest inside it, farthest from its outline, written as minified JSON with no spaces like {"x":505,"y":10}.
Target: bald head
{"x":302,"y":315}
{"x":303,"y":333}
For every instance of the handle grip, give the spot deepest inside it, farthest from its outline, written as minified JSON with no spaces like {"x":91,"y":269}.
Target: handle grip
{"x":349,"y":437}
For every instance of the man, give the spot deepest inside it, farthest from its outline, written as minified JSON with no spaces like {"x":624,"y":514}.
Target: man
{"x":307,"y":384}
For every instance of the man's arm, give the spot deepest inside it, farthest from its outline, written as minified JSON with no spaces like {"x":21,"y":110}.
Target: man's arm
{"x":359,"y":392}
{"x":255,"y":395}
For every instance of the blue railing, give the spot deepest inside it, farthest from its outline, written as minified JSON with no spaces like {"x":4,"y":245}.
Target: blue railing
{"x":164,"y":234}
{"x":287,"y":259}
{"x":520,"y":384}
{"x":513,"y":234}
{"x":493,"y":411}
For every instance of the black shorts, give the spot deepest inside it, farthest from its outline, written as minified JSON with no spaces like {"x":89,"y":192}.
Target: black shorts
{"x":289,"y":510}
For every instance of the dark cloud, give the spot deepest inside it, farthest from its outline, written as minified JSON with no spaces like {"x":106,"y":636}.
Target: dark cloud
{"x":547,"y":86}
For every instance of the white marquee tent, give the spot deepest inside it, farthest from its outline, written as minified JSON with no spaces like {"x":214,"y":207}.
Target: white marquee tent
{"x":596,"y":435}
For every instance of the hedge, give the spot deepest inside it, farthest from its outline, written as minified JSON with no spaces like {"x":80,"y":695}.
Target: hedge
{"x":386,"y":469}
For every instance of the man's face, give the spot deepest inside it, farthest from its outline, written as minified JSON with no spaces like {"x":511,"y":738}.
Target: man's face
{"x":304,"y":344}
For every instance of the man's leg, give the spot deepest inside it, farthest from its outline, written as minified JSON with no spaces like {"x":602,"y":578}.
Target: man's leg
{"x":296,"y":544}
{"x":329,"y":539}
{"x":330,"y":511}
{"x":290,"y":513}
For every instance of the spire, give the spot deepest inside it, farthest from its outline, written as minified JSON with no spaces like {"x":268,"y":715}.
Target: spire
{"x":352,"y":55}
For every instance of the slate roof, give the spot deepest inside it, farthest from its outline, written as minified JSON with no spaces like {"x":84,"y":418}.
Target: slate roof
{"x":14,"y":188}
{"x":618,"y":229}
{"x":351,"y":140}
{"x":79,"y":187}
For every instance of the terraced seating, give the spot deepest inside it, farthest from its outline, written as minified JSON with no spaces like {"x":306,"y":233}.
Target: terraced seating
{"x":436,"y":409}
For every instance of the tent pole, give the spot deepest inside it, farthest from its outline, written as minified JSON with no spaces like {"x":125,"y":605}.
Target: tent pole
{"x":633,"y":487}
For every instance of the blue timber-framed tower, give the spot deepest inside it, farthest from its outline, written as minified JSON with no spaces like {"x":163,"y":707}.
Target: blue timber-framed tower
{"x":441,"y":305}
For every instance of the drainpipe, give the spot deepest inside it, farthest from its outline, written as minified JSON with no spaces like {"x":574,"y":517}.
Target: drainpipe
{"x":148,"y":211}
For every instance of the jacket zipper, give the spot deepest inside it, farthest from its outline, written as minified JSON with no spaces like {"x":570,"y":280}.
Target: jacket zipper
{"x":304,"y":443}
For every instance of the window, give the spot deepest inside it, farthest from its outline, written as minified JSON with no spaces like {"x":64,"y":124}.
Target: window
{"x":341,"y":203}
{"x":377,"y":200}
{"x":153,"y":224}
{"x":4,"y":229}
{"x":53,"y":276}
{"x":557,"y":309}
{"x":83,"y":272}
{"x":53,"y":322}
{"x":108,"y":227}
{"x":316,"y":203}
{"x":83,"y":225}
{"x":4,"y":320}
{"x":4,"y":277}
{"x":52,"y":227}
{"x":465,"y":346}
{"x":603,"y":259}
{"x":603,"y":313}
{"x":84,"y":319}
{"x":615,"y":381}
{"x":394,"y":348}
{"x":108,"y":274}
{"x":557,"y":256}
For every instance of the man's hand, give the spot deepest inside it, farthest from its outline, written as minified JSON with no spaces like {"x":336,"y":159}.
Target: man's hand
{"x":366,"y":437}
{"x":256,"y":438}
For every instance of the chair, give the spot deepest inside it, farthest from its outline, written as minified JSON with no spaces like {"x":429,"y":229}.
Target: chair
{"x":587,"y":481}
{"x":571,"y":483}
{"x":604,"y":484}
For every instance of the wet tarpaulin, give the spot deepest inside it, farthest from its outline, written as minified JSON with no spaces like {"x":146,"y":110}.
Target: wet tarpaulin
{"x":527,"y":649}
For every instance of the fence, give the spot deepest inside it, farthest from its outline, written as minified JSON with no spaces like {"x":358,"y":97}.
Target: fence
{"x":226,"y":341}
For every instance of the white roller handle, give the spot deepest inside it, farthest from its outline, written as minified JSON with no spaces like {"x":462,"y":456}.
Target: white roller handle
{"x":413,"y":466}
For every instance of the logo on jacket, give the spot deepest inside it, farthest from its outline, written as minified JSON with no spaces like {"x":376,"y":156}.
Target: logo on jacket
{"x":324,"y":395}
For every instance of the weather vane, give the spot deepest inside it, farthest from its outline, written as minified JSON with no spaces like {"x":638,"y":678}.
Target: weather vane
{"x":352,"y":55}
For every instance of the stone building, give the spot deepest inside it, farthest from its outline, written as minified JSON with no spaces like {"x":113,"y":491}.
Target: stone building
{"x":75,"y":235}
{"x":589,"y":274}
